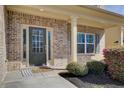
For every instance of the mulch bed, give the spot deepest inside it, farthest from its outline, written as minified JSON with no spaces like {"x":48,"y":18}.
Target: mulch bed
{"x":92,"y":81}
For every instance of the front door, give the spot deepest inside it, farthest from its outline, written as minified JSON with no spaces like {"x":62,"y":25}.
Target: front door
{"x":37,"y":46}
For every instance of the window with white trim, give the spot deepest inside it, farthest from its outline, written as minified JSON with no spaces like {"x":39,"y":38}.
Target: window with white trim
{"x":85,"y":42}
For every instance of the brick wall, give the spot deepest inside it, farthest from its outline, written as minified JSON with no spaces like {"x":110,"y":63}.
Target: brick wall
{"x":13,"y":34}
{"x":2,"y":44}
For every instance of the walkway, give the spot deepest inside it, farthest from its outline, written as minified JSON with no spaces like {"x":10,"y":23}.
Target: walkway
{"x":26,"y":79}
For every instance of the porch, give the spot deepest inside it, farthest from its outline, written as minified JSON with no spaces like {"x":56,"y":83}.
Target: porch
{"x":25,"y":78}
{"x":69,"y":26}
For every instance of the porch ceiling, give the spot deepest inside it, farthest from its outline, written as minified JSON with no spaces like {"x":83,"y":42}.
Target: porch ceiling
{"x":85,"y":15}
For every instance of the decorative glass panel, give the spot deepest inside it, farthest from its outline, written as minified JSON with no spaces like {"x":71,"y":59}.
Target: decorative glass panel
{"x":33,"y":43}
{"x":33,"y":38}
{"x":34,"y":32}
{"x":41,"y":38}
{"x":41,"y":32}
{"x":37,"y":40}
{"x":41,"y":44}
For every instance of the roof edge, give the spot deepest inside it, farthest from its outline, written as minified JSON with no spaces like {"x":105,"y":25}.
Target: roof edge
{"x":102,"y":10}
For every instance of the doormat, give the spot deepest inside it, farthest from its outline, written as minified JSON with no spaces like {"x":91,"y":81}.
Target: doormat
{"x":40,"y":69}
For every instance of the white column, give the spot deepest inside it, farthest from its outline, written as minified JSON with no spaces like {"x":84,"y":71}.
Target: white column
{"x":102,"y":42}
{"x":74,"y":39}
{"x":122,"y":35}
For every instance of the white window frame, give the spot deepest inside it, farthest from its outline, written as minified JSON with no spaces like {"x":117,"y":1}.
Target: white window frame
{"x":85,"y":43}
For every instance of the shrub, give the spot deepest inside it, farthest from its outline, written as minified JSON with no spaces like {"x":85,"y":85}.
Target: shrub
{"x":96,"y":67}
{"x":77,"y":69}
{"x":114,"y":58}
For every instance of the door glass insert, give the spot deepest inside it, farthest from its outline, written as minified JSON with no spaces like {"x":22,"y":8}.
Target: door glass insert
{"x":37,"y":40}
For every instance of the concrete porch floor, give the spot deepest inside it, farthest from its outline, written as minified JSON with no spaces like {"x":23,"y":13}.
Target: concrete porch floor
{"x":50,"y":79}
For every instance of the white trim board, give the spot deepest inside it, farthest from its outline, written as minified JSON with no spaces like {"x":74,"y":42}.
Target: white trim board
{"x":24,"y":26}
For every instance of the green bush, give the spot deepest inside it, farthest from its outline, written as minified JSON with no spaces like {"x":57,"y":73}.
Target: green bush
{"x":114,"y":59}
{"x":96,"y":67}
{"x":77,"y":69}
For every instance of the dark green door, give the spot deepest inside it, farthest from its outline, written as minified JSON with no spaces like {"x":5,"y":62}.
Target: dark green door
{"x":37,"y":46}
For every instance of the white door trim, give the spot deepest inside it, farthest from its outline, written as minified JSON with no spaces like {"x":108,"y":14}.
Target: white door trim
{"x":48,"y":61}
{"x":25,"y":26}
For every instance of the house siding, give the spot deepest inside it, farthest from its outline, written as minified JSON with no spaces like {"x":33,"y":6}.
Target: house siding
{"x":2,"y":44}
{"x":61,"y":37}
{"x":112,"y":35}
